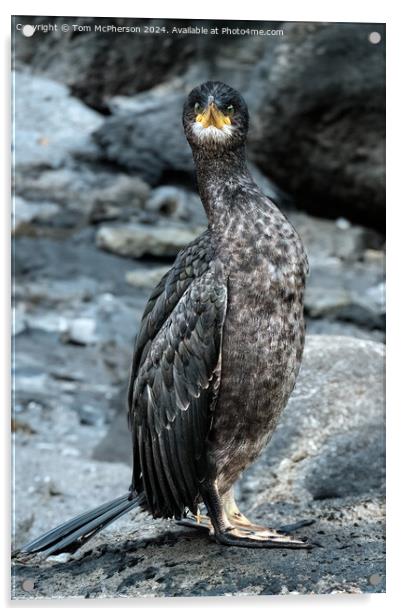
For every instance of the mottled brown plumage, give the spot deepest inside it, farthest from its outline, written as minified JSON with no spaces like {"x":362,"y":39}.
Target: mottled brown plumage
{"x":220,"y":342}
{"x":253,"y":260}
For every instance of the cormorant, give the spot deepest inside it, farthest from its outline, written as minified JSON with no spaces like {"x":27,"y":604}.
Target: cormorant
{"x":218,"y":350}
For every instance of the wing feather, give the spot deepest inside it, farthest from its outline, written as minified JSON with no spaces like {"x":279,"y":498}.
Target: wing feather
{"x":173,"y":395}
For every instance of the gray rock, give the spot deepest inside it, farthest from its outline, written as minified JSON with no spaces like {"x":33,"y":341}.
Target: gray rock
{"x":97,"y":65}
{"x":325,"y":239}
{"x":52,"y":125}
{"x":89,"y":191}
{"x":46,"y":320}
{"x":318,"y":108}
{"x":146,"y":277}
{"x":123,"y":197}
{"x":347,"y":291}
{"x":136,"y":240}
{"x":82,"y":331}
{"x":334,"y":327}
{"x":55,"y":292}
{"x":177,"y":203}
{"x":325,"y":462}
{"x":25,"y":212}
{"x":347,"y":270}
{"x":18,"y":319}
{"x":330,"y":442}
{"x":149,"y":139}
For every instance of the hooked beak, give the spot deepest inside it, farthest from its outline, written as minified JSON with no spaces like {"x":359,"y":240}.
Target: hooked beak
{"x":212,"y":116}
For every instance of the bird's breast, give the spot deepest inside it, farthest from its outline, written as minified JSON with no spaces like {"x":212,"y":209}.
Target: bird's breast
{"x":261,"y":353}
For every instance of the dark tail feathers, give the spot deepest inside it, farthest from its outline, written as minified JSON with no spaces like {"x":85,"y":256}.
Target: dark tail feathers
{"x":71,"y":535}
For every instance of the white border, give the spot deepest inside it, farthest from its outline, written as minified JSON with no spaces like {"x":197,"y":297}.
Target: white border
{"x":307,"y":10}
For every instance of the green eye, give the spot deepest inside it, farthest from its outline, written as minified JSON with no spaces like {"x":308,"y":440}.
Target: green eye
{"x":230,"y":110}
{"x":197,"y":108}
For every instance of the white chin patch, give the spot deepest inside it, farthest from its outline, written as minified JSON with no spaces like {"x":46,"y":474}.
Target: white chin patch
{"x":211,"y":133}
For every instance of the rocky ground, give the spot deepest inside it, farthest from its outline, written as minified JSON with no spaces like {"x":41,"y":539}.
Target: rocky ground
{"x":325,"y":464}
{"x":101,"y":208}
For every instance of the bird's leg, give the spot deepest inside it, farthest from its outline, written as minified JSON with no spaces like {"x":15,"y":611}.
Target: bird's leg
{"x":231,"y":527}
{"x":239,"y":521}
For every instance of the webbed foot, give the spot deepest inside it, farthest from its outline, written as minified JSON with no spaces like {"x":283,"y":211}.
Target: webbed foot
{"x":266,"y":538}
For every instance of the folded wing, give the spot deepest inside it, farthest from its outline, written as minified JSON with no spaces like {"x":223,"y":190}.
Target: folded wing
{"x":173,"y":395}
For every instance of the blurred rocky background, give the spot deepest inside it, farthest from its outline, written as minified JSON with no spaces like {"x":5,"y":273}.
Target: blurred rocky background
{"x":105,"y":197}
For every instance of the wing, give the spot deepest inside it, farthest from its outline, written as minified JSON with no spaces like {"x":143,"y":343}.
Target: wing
{"x":173,"y":398}
{"x":190,"y":263}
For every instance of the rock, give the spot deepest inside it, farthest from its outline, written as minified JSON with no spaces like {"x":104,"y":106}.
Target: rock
{"x":96,"y":65}
{"x":147,"y":278}
{"x":325,"y":239}
{"x":46,"y":320}
{"x":317,"y":103}
{"x":53,"y":127}
{"x":82,"y":331}
{"x":325,"y":462}
{"x":47,"y":260}
{"x":89,"y":191}
{"x":18,"y":319}
{"x":29,"y":378}
{"x":347,"y":272}
{"x":347,"y":291}
{"x":25,"y":212}
{"x":331,"y":438}
{"x":328,"y":327}
{"x":177,"y":203}
{"x":149,"y":140}
{"x":136,"y":240}
{"x":62,"y":291}
{"x":123,"y":197}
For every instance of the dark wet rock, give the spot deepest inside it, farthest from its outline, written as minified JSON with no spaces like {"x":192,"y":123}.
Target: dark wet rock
{"x":324,"y":464}
{"x":147,"y":559}
{"x":150,"y":140}
{"x":53,"y":126}
{"x":318,"y":108}
{"x":99,"y":65}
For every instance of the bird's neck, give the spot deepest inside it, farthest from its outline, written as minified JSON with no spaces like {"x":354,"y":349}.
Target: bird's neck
{"x":220,"y":178}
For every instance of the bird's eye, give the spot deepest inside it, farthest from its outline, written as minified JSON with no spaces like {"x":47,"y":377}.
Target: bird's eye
{"x":197,"y":108}
{"x":230,"y":110}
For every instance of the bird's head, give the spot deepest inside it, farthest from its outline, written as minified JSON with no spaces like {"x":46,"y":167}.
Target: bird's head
{"x":215,"y":117}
